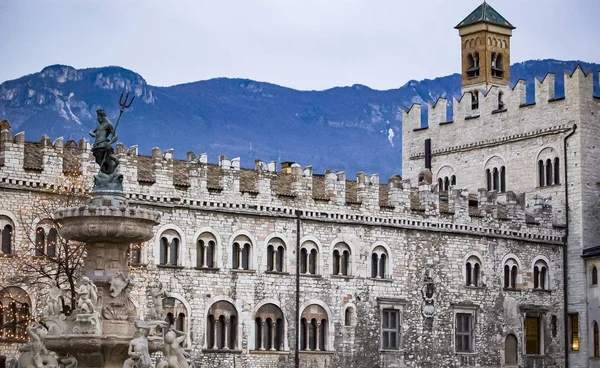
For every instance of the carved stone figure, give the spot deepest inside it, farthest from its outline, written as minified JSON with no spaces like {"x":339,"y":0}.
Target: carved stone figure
{"x":428,"y":292}
{"x":174,"y":355}
{"x":158,"y":293}
{"x":68,"y":361}
{"x":53,"y":301}
{"x":34,"y":353}
{"x":119,"y":283}
{"x":88,"y":295}
{"x":139,"y":355}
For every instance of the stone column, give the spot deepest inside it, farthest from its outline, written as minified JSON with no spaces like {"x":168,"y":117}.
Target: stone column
{"x":273,"y":325}
{"x":317,"y":336}
{"x":262,"y":335}
{"x":215,"y":347}
{"x":226,"y":338}
{"x":204,"y":251}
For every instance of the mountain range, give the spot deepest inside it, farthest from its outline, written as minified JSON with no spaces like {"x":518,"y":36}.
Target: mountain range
{"x":352,"y":128}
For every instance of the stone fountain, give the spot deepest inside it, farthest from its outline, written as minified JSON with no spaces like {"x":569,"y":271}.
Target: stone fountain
{"x":104,"y":330}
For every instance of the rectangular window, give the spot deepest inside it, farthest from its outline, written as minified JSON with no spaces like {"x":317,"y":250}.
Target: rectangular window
{"x":463,"y":332}
{"x":574,"y":335}
{"x":533,"y":335}
{"x":390,"y":329}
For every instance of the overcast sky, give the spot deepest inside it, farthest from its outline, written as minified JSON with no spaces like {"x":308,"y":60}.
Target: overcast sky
{"x":304,"y":44}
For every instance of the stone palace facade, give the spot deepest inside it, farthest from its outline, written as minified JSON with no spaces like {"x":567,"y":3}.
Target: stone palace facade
{"x":461,"y":262}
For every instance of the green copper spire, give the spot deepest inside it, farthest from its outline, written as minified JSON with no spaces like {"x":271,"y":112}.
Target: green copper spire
{"x":486,"y":14}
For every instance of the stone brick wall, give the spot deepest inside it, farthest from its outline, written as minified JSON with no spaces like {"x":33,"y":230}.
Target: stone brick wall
{"x":422,"y":234}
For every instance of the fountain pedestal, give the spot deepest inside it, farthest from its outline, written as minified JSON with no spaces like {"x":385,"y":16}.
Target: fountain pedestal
{"x":98,"y":335}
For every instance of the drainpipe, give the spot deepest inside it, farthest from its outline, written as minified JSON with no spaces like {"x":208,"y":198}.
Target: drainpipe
{"x":296,"y":356}
{"x":565,"y":278}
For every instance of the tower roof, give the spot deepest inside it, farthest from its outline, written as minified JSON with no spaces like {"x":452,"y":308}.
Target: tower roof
{"x":485,"y":14}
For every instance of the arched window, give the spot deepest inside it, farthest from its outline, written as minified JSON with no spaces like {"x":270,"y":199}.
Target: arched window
{"x":473,"y":65}
{"x":453,"y":180}
{"x":441,"y":184}
{"x":594,"y":276}
{"x":206,"y":246}
{"x":596,"y":341}
{"x":510,"y":274}
{"x":6,"y":228}
{"x":473,"y":271}
{"x":541,"y":176}
{"x":40,"y":241}
{"x":474,"y":100}
{"x":169,"y":248}
{"x":269,"y":328}
{"x":500,"y":100}
{"x":502,"y":179}
{"x":511,"y":350}
{"x":309,"y":258}
{"x":276,"y":255}
{"x":488,"y":175}
{"x":51,"y":242}
{"x":176,"y":315}
{"x":556,"y":171}
{"x":341,"y":260}
{"x":497,"y":65}
{"x":540,"y":275}
{"x":349,"y":316}
{"x":242,"y":253}
{"x":221,"y":326}
{"x":135,"y":253}
{"x":15,"y":314}
{"x":314,"y":325}
{"x":379,"y":263}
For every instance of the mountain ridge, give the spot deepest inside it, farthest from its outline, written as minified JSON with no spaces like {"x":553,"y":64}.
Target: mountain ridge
{"x":348,"y":128}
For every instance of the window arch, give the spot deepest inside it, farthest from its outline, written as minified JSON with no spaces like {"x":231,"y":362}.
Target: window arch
{"x":51,"y":242}
{"x":349,"y":315}
{"x":596,"y":341}
{"x":221,"y":328}
{"x":177,"y":315}
{"x":170,"y":243}
{"x":40,"y":241}
{"x":342,"y":262}
{"x":242,"y":253}
{"x":594,"y":275}
{"x":309,"y":258}
{"x":474,"y":100}
{"x":511,"y":268}
{"x":497,"y":65}
{"x":473,"y":271}
{"x":269,"y":328}
{"x":379,"y":263}
{"x":276,"y":255}
{"x":15,"y":314}
{"x":206,"y":247}
{"x":541,"y":275}
{"x":135,"y":253}
{"x":7,"y":233}
{"x":314,"y":328}
{"x":495,"y":174}
{"x":548,"y":166}
{"x":473,"y":65}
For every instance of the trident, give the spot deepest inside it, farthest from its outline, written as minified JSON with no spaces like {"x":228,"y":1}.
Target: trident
{"x":124,"y":105}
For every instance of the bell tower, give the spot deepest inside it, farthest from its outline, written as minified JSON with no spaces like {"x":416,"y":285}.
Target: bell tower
{"x":485,"y":43}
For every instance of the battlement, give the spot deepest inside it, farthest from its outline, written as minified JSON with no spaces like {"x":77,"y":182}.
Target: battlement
{"x":501,"y":102}
{"x":163,"y":180}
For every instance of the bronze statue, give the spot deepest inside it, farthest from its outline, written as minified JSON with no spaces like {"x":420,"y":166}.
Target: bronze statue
{"x":102,"y":148}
